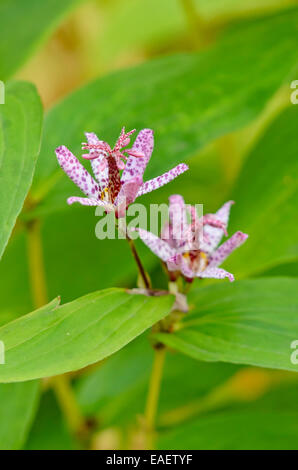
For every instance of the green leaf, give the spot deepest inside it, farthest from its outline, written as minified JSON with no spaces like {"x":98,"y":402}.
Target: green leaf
{"x":24,"y":25}
{"x":287,"y":270}
{"x":14,"y":265}
{"x":20,"y":133}
{"x":230,"y":8}
{"x":234,"y":430}
{"x":18,"y":403}
{"x":52,"y":340}
{"x":189,"y":99}
{"x":247,"y":322}
{"x":166,"y":22}
{"x":266,"y":196}
{"x":265,"y":423}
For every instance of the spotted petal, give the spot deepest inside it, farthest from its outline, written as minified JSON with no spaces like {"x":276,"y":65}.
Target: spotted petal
{"x":129,"y":190}
{"x":159,"y":247}
{"x":127,"y":194}
{"x":156,"y":183}
{"x":213,"y":235}
{"x":135,"y":166}
{"x":174,"y":262}
{"x":226,"y":248}
{"x":90,"y":202}
{"x":215,"y":273}
{"x":182,"y":265}
{"x":178,"y":220}
{"x":102,"y":175}
{"x":76,"y":172}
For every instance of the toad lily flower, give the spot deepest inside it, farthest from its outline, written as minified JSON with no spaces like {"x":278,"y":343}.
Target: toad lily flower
{"x":110,"y":189}
{"x":194,"y":252}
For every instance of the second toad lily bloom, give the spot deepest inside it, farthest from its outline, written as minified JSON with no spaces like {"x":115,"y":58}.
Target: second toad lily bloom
{"x":112,"y":190}
{"x":191,"y":248}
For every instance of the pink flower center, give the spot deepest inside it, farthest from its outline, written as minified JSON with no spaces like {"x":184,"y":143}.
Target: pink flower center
{"x":113,"y":159}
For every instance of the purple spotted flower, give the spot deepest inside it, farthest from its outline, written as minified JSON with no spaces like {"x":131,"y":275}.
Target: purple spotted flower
{"x":189,"y":244}
{"x":111,"y":189}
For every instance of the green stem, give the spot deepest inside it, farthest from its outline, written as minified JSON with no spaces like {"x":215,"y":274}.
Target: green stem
{"x":68,"y":404}
{"x":36,"y":269}
{"x":153,"y":395}
{"x":187,"y":288}
{"x":60,"y":384}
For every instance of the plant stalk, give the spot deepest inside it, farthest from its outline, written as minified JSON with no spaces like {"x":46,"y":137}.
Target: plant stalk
{"x":153,"y":395}
{"x":61,"y":384}
{"x":36,"y":265}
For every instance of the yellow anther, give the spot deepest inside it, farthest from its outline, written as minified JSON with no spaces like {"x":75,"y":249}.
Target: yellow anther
{"x":104,"y":193}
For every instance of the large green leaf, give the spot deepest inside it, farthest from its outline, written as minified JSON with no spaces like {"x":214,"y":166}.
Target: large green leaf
{"x":20,"y":133}
{"x":232,"y":430}
{"x":23,"y":26}
{"x":266,"y":196}
{"x":189,"y":99}
{"x":53,"y":340}
{"x":248,"y":322}
{"x":265,"y":423}
{"x":18,"y":402}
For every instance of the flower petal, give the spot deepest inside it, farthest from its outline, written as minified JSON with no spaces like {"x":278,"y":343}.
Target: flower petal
{"x":178,"y":229}
{"x":213,"y":221}
{"x":76,"y":172}
{"x":135,"y":166}
{"x":129,"y":190}
{"x":159,"y":247}
{"x":174,"y":263}
{"x":226,"y":248}
{"x":89,"y":202}
{"x":127,"y":195}
{"x":102,"y":175}
{"x":156,"y":183}
{"x":213,"y":235}
{"x":181,"y":265}
{"x":216,"y":273}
